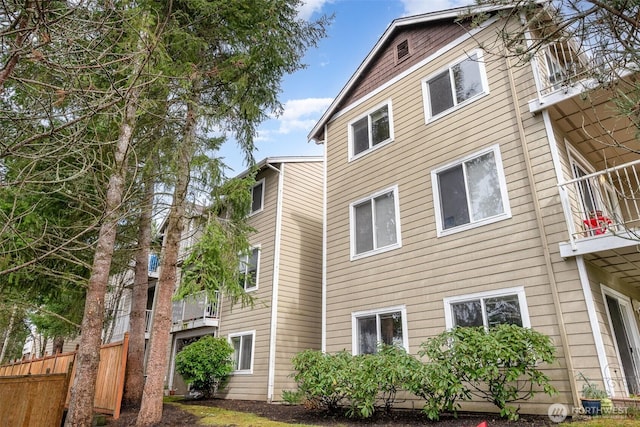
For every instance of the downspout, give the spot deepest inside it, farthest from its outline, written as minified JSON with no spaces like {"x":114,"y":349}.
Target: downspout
{"x":323,"y":346}
{"x":274,"y":286}
{"x":543,"y":237}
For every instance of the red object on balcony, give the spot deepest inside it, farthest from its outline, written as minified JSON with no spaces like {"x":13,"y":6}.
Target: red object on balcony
{"x":596,"y":224}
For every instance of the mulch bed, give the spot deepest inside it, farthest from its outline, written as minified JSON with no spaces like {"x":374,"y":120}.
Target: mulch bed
{"x":173,"y":416}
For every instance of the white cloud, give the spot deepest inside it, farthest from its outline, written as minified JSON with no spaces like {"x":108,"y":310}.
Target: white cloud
{"x":308,"y":7}
{"x":302,"y":114}
{"x":414,"y":7}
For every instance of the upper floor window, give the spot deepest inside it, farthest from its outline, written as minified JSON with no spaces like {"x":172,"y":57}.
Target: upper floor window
{"x":375,"y":223}
{"x":386,"y":326}
{"x":371,"y":130}
{"x":257,"y":197}
{"x":249,"y":270}
{"x":243,"y":346}
{"x":459,"y":84}
{"x":470,"y":192}
{"x":488,"y":309}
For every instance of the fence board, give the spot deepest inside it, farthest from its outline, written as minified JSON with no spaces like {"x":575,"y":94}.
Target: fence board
{"x":23,"y":405}
{"x":109,"y":382}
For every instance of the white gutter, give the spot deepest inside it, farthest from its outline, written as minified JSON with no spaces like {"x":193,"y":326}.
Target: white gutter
{"x":274,"y":285}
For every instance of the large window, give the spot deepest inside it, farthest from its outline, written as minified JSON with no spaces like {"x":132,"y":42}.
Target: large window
{"x":371,"y":328}
{"x":488,"y":309}
{"x":243,"y":345}
{"x":470,"y":192}
{"x":249,"y":270}
{"x":455,"y":86}
{"x":371,"y":130}
{"x":257,"y":197}
{"x":375,"y":223}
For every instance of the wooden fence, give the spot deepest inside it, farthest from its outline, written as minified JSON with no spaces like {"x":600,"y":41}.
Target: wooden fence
{"x":109,"y":383}
{"x":33,"y":400}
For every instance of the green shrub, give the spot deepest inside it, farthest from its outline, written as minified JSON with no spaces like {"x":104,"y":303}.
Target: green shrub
{"x":363,"y":384}
{"x":436,"y":381}
{"x":205,"y":364}
{"x":376,"y":380}
{"x":499,"y":365}
{"x":320,"y":377}
{"x":292,"y":397}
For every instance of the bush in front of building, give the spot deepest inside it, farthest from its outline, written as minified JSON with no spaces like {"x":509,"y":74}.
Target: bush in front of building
{"x":363,"y":384}
{"x":321,"y":378}
{"x":205,"y":364}
{"x":500,"y":365}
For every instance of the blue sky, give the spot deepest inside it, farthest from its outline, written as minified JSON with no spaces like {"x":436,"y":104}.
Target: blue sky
{"x":306,"y":94}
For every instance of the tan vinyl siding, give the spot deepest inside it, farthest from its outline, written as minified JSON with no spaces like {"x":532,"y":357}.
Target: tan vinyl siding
{"x":300,"y":279}
{"x":237,"y":319}
{"x":298,"y":323}
{"x":426,"y":268}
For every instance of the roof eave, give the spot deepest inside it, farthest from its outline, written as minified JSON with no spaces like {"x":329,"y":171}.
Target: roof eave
{"x":318,"y":129}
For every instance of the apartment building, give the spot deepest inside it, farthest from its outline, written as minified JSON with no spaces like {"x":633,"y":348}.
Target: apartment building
{"x":283,"y":274}
{"x":466,"y":188}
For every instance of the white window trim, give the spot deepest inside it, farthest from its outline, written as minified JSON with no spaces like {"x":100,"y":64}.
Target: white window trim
{"x":260,"y":182}
{"x":255,"y":287}
{"x":389,"y":140}
{"x":357,"y":314}
{"x":428,"y":118}
{"x":352,"y":222}
{"x":503,"y":193}
{"x":518,"y":290}
{"x":253,"y":350}
{"x":631,"y":326}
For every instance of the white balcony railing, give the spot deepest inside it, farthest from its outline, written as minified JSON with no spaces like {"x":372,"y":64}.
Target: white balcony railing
{"x":121,"y":325}
{"x":564,"y":63}
{"x":147,"y":321}
{"x":195,"y":307}
{"x":604,"y":202}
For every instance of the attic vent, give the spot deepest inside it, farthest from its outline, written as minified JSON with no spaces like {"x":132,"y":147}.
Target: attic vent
{"x":403,"y":49}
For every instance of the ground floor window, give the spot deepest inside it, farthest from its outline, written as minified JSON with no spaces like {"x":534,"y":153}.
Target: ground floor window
{"x":488,"y":309}
{"x":243,"y":345}
{"x":374,"y":327}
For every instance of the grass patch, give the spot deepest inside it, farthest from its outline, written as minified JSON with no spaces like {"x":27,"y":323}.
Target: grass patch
{"x":211,"y":416}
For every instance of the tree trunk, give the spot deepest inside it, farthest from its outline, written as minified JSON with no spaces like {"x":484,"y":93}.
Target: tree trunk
{"x":151,"y":408}
{"x":7,"y":335}
{"x":88,"y":356}
{"x":58,"y":345}
{"x":137,"y":321}
{"x":18,"y":44}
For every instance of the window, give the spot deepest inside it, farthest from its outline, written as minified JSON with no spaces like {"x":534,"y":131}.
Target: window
{"x":386,"y":326}
{"x":455,"y":86}
{"x":243,"y":344}
{"x":257,"y":197}
{"x":470,"y":192}
{"x":488,"y":309}
{"x":249,"y":270}
{"x":375,"y":223}
{"x":372,"y":130}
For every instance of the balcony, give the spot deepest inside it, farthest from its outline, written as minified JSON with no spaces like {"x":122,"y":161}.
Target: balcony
{"x":602,"y":210}
{"x":564,"y":69}
{"x":154,"y":265}
{"x":121,"y":325}
{"x":195,"y":311}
